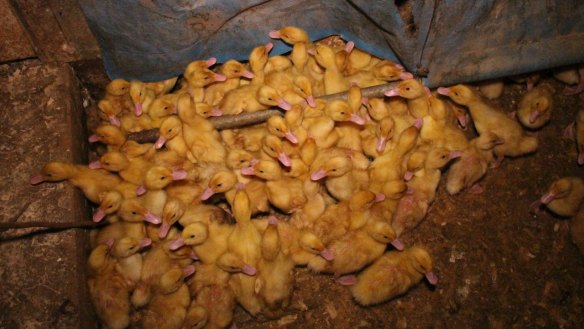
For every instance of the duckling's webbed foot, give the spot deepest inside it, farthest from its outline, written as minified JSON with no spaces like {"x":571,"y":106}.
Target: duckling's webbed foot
{"x":346,"y":280}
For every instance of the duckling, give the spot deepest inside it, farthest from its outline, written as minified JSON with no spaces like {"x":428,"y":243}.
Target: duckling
{"x":472,"y":165}
{"x":359,"y":60}
{"x":334,"y":81}
{"x":535,"y":107}
{"x":115,"y":231}
{"x":117,"y":92}
{"x":375,"y":136}
{"x":275,"y":279}
{"x":196,"y":317}
{"x":141,"y":96}
{"x":357,"y":249}
{"x":273,"y":149}
{"x":132,"y":170}
{"x":110,"y":112}
{"x":157,"y":177}
{"x":171,"y":136}
{"x":198,"y":78}
{"x":383,"y":72}
{"x":242,"y":281}
{"x":416,"y":95}
{"x":133,"y":210}
{"x":488,"y":118}
{"x":348,"y":123}
{"x":109,"y":203}
{"x":291,"y":35}
{"x":91,"y":182}
{"x":215,"y":245}
{"x":574,"y":78}
{"x":564,"y":197}
{"x":129,"y":260}
{"x":110,"y":135}
{"x":492,"y":89}
{"x":392,"y":275}
{"x":412,"y":208}
{"x":438,"y":128}
{"x":277,"y":64}
{"x":108,"y":289}
{"x":199,"y":134}
{"x":222,"y":182}
{"x":322,"y":130}
{"x":168,"y":307}
{"x":279,"y":127}
{"x":244,"y":231}
{"x":343,"y":179}
{"x":284,"y":193}
{"x":163,"y":107}
{"x":233,"y":71}
{"x":300,"y":92}
{"x":258,"y":58}
{"x":171,"y":213}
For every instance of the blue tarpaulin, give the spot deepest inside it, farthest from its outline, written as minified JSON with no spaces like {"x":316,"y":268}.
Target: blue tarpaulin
{"x":448,"y":41}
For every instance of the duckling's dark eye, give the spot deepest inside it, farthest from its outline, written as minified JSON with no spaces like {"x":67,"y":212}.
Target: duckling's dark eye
{"x":134,"y":213}
{"x":261,"y":171}
{"x":140,"y":93}
{"x":342,"y":113}
{"x":270,"y":99}
{"x":219,"y":185}
{"x":192,"y":236}
{"x":236,"y":71}
{"x":110,"y":206}
{"x":165,"y":108}
{"x":169,"y":130}
{"x":162,"y":178}
{"x":106,"y":163}
{"x":49,"y":175}
{"x":335,"y":169}
{"x":206,"y":78}
{"x":408,"y":88}
{"x":130,"y":247}
{"x":241,"y":161}
{"x":272,"y":149}
{"x":277,"y":129}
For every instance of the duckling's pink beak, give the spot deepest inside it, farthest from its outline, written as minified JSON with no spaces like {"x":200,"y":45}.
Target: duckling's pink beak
{"x":114,"y":120}
{"x":408,"y":176}
{"x":533,"y":116}
{"x":318,"y":175}
{"x":349,"y":46}
{"x":239,"y":186}
{"x":177,"y":243}
{"x":462,"y":121}
{"x":311,"y":51}
{"x":140,"y":190}
{"x":284,"y":105}
{"x":179,"y":174}
{"x":392,"y":92}
{"x":500,"y":141}
{"x":94,"y":165}
{"x":272,"y":220}
{"x":397,"y":244}
{"x":357,"y":119}
{"x":406,"y":76}
{"x":291,"y":137}
{"x":455,"y":154}
{"x":248,"y":171}
{"x":327,"y":255}
{"x":160,"y":142}
{"x":188,"y":271}
{"x":443,"y":91}
{"x":248,"y":74}
{"x":37,"y":179}
{"x":284,"y":159}
{"x":98,"y":216}
{"x":215,"y":112}
{"x":220,"y":77}
{"x":432,"y":278}
{"x":93,"y":138}
{"x":547,"y":198}
{"x":419,"y":123}
{"x":379,"y":197}
{"x":164,"y":228}
{"x":381,"y":143}
{"x":207,"y":193}
{"x":311,"y":101}
{"x":269,"y":46}
{"x":152,"y":218}
{"x":138,"y":109}
{"x":347,"y":280}
{"x":248,"y":270}
{"x":210,"y":62}
{"x":274,"y":34}
{"x":145,"y":242}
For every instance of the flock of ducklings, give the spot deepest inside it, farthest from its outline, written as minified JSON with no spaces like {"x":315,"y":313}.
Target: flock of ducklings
{"x":328,"y":185}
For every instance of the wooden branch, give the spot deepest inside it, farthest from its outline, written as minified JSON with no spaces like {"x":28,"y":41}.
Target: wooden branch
{"x":245,"y":119}
{"x":78,"y":224}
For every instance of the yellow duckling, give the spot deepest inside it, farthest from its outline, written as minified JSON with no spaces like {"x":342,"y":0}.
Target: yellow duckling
{"x":132,"y":170}
{"x":117,"y":92}
{"x":334,"y":81}
{"x":392,"y":275}
{"x":171,"y":135}
{"x":110,"y":135}
{"x":416,"y":94}
{"x":234,"y":71}
{"x":535,"y":107}
{"x":91,"y":182}
{"x":141,"y":96}
{"x":258,"y":58}
{"x":110,"y":112}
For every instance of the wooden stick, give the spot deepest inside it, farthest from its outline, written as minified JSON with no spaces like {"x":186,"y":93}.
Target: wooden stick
{"x":78,"y":224}
{"x":245,"y":119}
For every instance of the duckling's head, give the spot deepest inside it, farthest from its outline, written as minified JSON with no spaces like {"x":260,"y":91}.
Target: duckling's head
{"x":303,"y":88}
{"x":409,"y":89}
{"x":268,"y":170}
{"x":388,"y":71}
{"x":237,"y":159}
{"x":159,"y":177}
{"x":384,"y":132}
{"x":234,"y":69}
{"x":230,"y":262}
{"x":109,"y":110}
{"x":439,"y":157}
{"x":132,"y":210}
{"x":172,"y":211}
{"x":108,"y":134}
{"x":203,"y":77}
{"x":134,"y":149}
{"x":258,"y":58}
{"x":325,"y":57}
{"x":114,"y":161}
{"x":221,"y":181}
{"x":277,"y":63}
{"x":162,"y":107}
{"x":109,"y":203}
{"x":291,"y":35}
{"x":340,"y":111}
{"x":118,"y":87}
{"x":558,"y":189}
{"x":278,"y":126}
{"x":422,"y":262}
{"x":170,"y":128}
{"x":488,"y":140}
{"x":270,"y":96}
{"x":205,"y":110}
{"x":334,"y":167}
{"x":273,"y":147}
{"x":195,"y":234}
{"x":172,"y":279}
{"x":128,"y":246}
{"x":381,"y":231}
{"x":199,"y":65}
{"x":54,"y":171}
{"x":460,"y":94}
{"x":137,"y":92}
{"x":312,"y":244}
{"x":196,"y":317}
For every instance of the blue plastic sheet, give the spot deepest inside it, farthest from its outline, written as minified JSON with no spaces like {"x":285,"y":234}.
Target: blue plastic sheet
{"x":450,"y":40}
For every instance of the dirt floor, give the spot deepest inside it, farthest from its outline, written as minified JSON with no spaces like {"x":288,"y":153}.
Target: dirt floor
{"x":498,"y":264}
